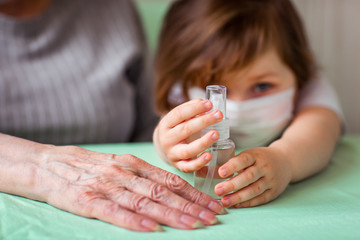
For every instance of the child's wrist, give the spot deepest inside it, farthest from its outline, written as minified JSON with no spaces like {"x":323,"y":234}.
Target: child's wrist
{"x":285,"y":157}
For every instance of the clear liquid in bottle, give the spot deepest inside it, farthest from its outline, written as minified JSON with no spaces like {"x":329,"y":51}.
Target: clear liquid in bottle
{"x":206,"y":178}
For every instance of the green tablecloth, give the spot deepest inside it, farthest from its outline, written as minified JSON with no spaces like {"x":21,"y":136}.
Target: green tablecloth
{"x":326,"y":206}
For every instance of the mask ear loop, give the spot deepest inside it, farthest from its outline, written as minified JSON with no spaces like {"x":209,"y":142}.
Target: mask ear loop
{"x":210,"y":172}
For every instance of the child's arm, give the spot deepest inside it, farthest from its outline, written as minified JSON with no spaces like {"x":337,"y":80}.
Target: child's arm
{"x":304,"y":149}
{"x":172,"y":135}
{"x":313,"y":136}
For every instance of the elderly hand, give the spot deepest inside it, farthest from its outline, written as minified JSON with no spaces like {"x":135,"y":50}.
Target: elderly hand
{"x":172,"y":137}
{"x":120,"y":189}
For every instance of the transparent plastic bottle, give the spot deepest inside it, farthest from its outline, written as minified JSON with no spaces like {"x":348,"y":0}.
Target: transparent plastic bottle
{"x":206,"y":178}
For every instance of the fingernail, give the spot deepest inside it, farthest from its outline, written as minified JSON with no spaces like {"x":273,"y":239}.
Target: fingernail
{"x":226,"y":202}
{"x":217,"y":115}
{"x":190,"y":221}
{"x":207,"y":104}
{"x":151,"y":225}
{"x":214,"y":136}
{"x":216,"y":207}
{"x":198,"y":224}
{"x":208,"y":217}
{"x":223,"y":211}
{"x":223,"y":172}
{"x":220,"y":191}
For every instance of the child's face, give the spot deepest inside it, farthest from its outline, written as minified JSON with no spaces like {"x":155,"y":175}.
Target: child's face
{"x":266,"y":75}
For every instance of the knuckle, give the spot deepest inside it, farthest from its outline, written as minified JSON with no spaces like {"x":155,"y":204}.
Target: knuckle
{"x":106,"y":184}
{"x":197,"y":196}
{"x":231,"y":185}
{"x":251,"y":192}
{"x":111,"y":156}
{"x":249,"y":175}
{"x":139,"y":203}
{"x":254,"y":190}
{"x":247,"y":159}
{"x":187,"y":207}
{"x":168,"y":213}
{"x":127,"y":157}
{"x":175,"y":182}
{"x":263,"y":198}
{"x":185,"y":154}
{"x":186,"y":129}
{"x":158,"y":192}
{"x":258,"y":188}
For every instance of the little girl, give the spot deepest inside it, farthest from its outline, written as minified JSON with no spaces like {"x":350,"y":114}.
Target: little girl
{"x":281,"y":111}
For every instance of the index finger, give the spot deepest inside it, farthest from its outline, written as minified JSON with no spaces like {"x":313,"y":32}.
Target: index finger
{"x":186,"y":111}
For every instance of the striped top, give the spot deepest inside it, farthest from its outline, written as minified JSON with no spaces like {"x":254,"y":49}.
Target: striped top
{"x":79,"y":73}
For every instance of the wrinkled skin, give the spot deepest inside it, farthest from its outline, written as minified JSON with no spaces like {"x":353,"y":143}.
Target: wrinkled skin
{"x":120,"y":189}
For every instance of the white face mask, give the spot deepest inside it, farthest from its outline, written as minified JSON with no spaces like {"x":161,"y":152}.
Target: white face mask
{"x":256,"y":122}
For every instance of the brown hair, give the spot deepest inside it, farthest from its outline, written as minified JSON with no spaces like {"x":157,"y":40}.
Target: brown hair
{"x":203,"y":39}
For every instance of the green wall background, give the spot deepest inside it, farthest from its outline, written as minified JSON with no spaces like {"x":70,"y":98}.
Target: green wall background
{"x":152,"y":13}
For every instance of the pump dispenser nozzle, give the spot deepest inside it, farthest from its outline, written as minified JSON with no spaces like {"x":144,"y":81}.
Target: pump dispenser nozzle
{"x":217,"y":95}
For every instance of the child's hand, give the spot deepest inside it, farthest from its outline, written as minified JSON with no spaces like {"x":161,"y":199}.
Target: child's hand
{"x":175,"y":129}
{"x":263,"y":174}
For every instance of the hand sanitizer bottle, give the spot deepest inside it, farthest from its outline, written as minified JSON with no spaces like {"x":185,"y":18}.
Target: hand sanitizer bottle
{"x":207,"y":177}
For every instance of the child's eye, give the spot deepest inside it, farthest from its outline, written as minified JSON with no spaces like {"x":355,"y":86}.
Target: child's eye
{"x":262,"y":87}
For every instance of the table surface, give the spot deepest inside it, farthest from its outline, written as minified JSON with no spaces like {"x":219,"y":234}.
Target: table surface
{"x":326,"y":206}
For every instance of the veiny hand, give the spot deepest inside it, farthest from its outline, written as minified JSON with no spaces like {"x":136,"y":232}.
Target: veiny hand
{"x":175,"y":129}
{"x":120,"y":189}
{"x":262,"y":175}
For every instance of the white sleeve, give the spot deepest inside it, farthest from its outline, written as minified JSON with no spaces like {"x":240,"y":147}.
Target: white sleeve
{"x":319,"y":92}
